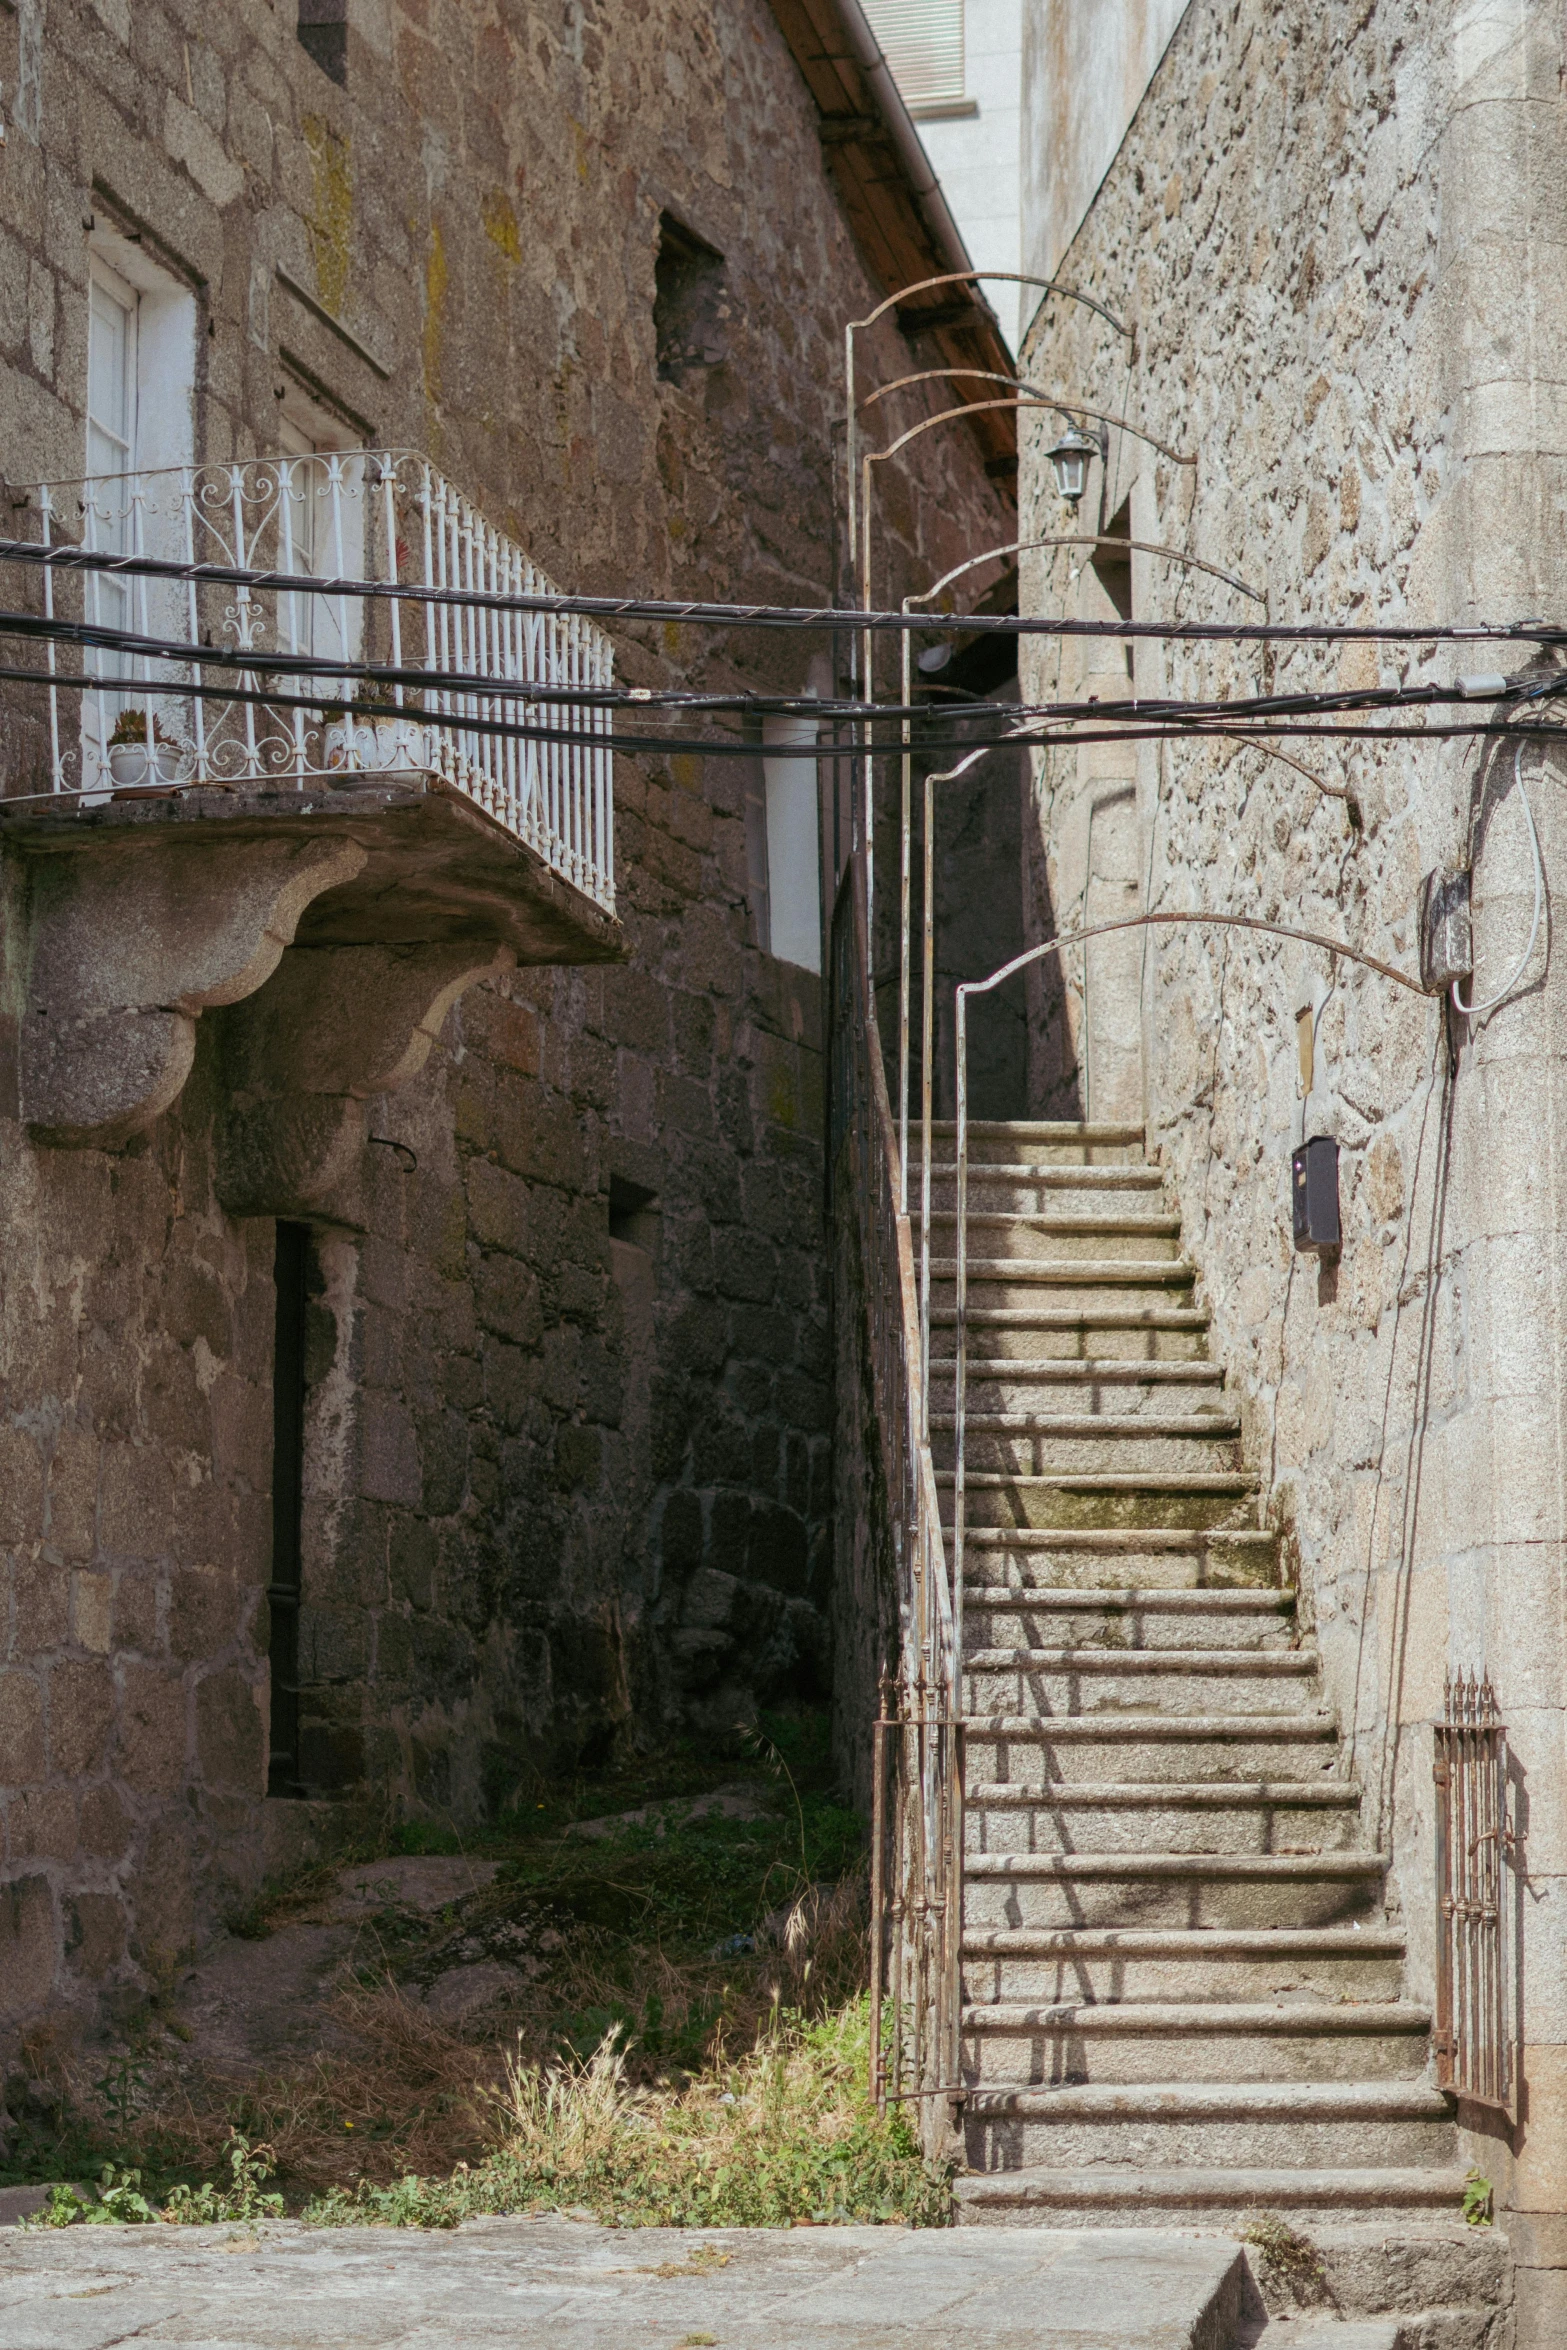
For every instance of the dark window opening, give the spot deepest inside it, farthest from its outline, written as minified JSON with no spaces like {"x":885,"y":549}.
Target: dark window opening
{"x":633,"y":1213}
{"x":690,"y":312}
{"x":288,"y":1493}
{"x":1113,"y":569}
{"x":323,"y":34}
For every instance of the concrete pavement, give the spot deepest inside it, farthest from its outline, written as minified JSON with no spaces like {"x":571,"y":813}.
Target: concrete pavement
{"x":510,"y":2281}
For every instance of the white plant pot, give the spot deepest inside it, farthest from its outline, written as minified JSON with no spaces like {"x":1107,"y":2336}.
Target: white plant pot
{"x":132,"y":770}
{"x":345,"y":744}
{"x":400,"y":742}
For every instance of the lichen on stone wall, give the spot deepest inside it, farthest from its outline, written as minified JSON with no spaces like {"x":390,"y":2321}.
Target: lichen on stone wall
{"x":330,"y":221}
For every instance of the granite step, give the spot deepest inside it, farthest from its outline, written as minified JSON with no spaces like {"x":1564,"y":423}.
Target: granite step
{"x":1171,"y":1558}
{"x":1184,"y":1889}
{"x":1104,"y":2195}
{"x":1069,"y":1681}
{"x":1017,"y":1187}
{"x":1122,"y":1965}
{"x":1222,"y":2124}
{"x":1060,"y":1234}
{"x":1001,"y":1614}
{"x":1010,"y":2042}
{"x":1036,"y":1444}
{"x":1103,"y":1325}
{"x":1045,"y":1384}
{"x":1213,"y":1815}
{"x":996,"y":1281}
{"x":1037,"y":1141}
{"x":1142,"y":1747}
{"x":1100,"y":1498}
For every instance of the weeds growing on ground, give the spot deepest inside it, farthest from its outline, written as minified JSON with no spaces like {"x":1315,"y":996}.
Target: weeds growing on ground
{"x":682,"y":2039}
{"x":1291,"y":2262}
{"x":121,"y":2201}
{"x":784,"y":2134}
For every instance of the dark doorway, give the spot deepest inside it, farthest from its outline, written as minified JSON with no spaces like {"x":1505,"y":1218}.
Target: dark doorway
{"x":288,"y":1464}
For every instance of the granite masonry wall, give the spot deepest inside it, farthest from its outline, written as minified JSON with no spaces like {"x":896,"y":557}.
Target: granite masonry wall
{"x":1337,"y":234}
{"x":565,"y":1483}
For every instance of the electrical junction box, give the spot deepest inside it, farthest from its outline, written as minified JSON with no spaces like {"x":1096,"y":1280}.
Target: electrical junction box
{"x":1446,"y":934}
{"x":1314,"y":1194}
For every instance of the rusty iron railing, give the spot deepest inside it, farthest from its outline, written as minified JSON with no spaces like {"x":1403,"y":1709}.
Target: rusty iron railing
{"x":1475,"y":2057}
{"x":917,"y":1795}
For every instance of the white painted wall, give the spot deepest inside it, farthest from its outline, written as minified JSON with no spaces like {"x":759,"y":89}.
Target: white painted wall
{"x":976,"y":155}
{"x":1085,"y":66}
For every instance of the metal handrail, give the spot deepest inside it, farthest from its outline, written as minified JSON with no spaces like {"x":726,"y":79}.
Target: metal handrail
{"x":917,"y":1823}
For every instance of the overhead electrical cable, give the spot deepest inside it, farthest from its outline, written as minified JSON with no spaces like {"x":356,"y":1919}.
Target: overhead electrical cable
{"x":691,"y":612}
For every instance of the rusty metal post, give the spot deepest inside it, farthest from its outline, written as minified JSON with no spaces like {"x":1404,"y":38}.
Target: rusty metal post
{"x":878,"y":1884}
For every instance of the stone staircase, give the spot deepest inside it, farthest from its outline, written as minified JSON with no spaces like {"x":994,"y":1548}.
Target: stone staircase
{"x":1183,"y":1993}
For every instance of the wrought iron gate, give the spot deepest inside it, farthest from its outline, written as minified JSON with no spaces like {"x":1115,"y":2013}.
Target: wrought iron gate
{"x":1475,"y":2056}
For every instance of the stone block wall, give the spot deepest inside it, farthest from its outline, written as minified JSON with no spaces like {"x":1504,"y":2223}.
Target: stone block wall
{"x":1338,"y":236}
{"x":563,"y":1484}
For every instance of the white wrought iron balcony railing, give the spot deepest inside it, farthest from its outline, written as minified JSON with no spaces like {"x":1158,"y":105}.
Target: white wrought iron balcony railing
{"x":372,"y":515}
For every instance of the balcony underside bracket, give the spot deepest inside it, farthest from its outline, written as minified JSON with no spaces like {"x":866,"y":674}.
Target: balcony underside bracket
{"x":332,"y":1027}
{"x":126,"y":952}
{"x":331,"y":932}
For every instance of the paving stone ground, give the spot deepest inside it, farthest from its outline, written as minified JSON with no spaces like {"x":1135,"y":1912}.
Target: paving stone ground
{"x":584,"y":2287}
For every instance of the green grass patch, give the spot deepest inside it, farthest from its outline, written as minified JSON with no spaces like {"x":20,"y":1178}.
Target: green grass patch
{"x":786,"y":2135}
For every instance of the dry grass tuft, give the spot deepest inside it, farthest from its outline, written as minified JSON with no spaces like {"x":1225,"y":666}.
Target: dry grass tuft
{"x":408,"y":2093}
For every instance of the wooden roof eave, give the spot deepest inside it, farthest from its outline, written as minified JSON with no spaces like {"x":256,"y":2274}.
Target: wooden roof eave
{"x":903,"y":231}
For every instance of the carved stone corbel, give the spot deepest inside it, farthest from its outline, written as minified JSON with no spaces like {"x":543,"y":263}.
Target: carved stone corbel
{"x":125,"y":953}
{"x":333,"y":1026}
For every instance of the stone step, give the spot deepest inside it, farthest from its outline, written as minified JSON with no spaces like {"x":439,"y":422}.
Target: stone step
{"x":1100,"y":2195}
{"x":1102,"y":1498}
{"x":1002,"y":1615}
{"x":1020,"y":1183}
{"x":1290,"y":2331}
{"x":1086,"y":1235}
{"x":1039,"y":1141}
{"x":1049,"y":1558}
{"x":1030,"y":1753}
{"x":1034,"y":1444}
{"x":1174,"y":1816}
{"x":1186,"y":1889}
{"x":1048,"y":2043}
{"x":1044,"y":1384}
{"x":1105,"y":1324}
{"x":1012,"y":1278}
{"x":1061,"y":1682}
{"x":1120,"y":1964}
{"x":1226,"y":2125}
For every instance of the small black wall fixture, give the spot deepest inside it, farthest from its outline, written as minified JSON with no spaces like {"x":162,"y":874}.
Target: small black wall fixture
{"x":1314,"y":1194}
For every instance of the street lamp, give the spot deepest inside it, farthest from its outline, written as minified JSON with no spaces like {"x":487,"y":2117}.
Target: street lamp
{"x":1070,"y":458}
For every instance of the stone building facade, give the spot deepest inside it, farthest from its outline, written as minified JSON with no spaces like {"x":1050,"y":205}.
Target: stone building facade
{"x":562,"y":1310}
{"x":1336,"y":236}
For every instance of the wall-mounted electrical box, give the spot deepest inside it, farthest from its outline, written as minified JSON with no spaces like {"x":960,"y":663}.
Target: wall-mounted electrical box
{"x":1446,"y":934}
{"x":1314,"y":1194}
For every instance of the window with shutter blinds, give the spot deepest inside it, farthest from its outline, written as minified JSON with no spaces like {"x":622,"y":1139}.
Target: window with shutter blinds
{"x":922,"y":41}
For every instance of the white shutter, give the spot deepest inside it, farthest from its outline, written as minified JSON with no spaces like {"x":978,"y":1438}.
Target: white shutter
{"x":922,"y":41}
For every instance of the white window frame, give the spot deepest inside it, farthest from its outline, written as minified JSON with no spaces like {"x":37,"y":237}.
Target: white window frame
{"x":124,"y":510}
{"x":321,"y":527}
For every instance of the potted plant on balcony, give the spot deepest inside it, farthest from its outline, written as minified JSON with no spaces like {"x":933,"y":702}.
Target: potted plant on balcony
{"x":347,"y":741}
{"x":403,"y":741}
{"x":130,"y":764}
{"x":366,"y":734}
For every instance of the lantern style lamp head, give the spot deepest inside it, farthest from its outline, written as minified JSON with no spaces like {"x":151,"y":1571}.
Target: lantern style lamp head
{"x":1070,"y":458}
